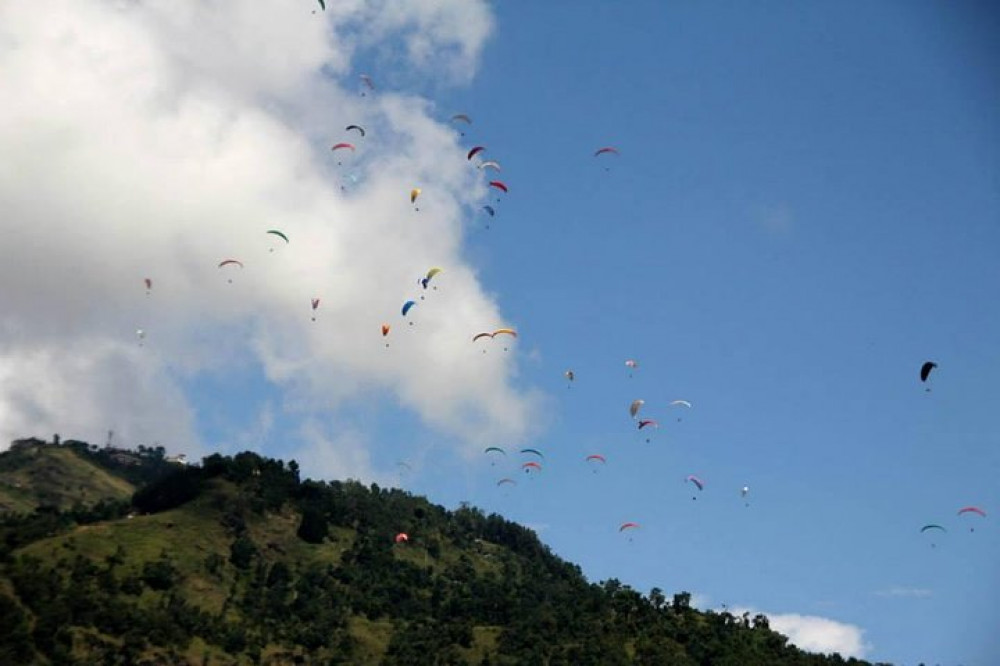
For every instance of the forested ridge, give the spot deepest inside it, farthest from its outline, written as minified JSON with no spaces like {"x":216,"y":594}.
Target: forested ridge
{"x":240,"y":561}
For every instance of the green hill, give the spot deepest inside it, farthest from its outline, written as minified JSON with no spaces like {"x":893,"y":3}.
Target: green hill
{"x":33,"y":474}
{"x":238,"y":561}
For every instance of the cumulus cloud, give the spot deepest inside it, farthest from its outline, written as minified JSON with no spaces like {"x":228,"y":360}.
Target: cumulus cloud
{"x":816,"y":634}
{"x":155,"y":139}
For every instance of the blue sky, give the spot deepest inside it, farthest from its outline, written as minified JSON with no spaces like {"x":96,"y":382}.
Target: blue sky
{"x":805,"y":208}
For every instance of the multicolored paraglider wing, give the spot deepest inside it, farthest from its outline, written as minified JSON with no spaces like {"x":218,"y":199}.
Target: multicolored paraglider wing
{"x":402,"y":537}
{"x":475,"y":151}
{"x":648,"y":422}
{"x":634,"y":408}
{"x":606,"y":149}
{"x":414,"y":193}
{"x":499,"y":185}
{"x":628,"y":526}
{"x":480,"y":336}
{"x":596,"y":457}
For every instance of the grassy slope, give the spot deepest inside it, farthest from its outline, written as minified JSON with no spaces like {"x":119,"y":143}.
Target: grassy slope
{"x":191,"y":533}
{"x":55,"y":477}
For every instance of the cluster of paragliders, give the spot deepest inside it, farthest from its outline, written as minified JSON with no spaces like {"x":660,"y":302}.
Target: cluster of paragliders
{"x":532,"y":460}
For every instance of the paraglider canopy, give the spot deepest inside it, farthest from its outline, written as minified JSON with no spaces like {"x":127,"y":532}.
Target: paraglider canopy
{"x":475,"y":151}
{"x":359,"y":128}
{"x":696,"y":481}
{"x":628,"y":526}
{"x":634,"y":408}
{"x":402,"y":537}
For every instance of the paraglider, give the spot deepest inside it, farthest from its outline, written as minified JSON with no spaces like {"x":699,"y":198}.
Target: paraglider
{"x":931,"y":527}
{"x":424,"y":281}
{"x":414,"y":193}
{"x":402,"y":537}
{"x":463,"y":118}
{"x":680,"y":403}
{"x":925,"y":372}
{"x":505,"y":331}
{"x":359,"y":128}
{"x":342,"y":146}
{"x":648,"y":422}
{"x":972,"y":509}
{"x":744,"y":491}
{"x":494,"y":450}
{"x":140,"y":335}
{"x":634,"y":408}
{"x":500,"y":185}
{"x":697,"y":482}
{"x":367,"y":80}
{"x":507,"y":481}
{"x":315,"y":304}
{"x":632,"y":365}
{"x":322,"y":4}
{"x":407,"y":306}
{"x":475,"y":151}
{"x":149,"y":285}
{"x":231,"y":262}
{"x":385,"y":332}
{"x":279,"y":234}
{"x":628,"y":526}
{"x":480,"y":336}
{"x":595,"y":458}
{"x":529,"y":466}
{"x":606,"y":150}
{"x":570,"y":376}
{"x":533,"y":452}
{"x":490,"y":211}
{"x":490,"y":164}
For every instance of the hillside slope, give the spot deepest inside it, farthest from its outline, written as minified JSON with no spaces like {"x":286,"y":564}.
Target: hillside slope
{"x":53,"y":476}
{"x":239,"y":562}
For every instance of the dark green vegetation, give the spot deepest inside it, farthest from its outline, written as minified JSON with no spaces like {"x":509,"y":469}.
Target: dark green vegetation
{"x":238,"y":561}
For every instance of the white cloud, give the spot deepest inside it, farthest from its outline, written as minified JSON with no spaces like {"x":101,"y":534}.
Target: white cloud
{"x":816,"y":634}
{"x":905,"y":592}
{"x":155,"y":139}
